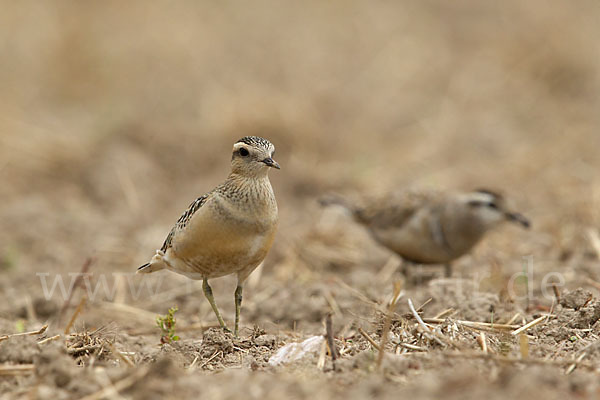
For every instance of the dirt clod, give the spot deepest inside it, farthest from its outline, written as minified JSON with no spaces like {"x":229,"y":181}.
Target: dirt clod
{"x":215,"y":339}
{"x":575,"y":299}
{"x":54,"y":366}
{"x":587,"y":316}
{"x":21,"y":350}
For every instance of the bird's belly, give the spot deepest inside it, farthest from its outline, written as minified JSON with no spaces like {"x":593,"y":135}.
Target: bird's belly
{"x":415,"y":245}
{"x":218,"y":248}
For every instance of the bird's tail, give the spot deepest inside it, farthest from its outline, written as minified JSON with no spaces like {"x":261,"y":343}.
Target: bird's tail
{"x":357,"y":211}
{"x":155,"y":264}
{"x":334,"y":199}
{"x":337,"y":200}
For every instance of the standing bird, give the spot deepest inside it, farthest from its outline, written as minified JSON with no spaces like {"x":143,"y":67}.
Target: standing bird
{"x":431,"y":227}
{"x":228,"y":230}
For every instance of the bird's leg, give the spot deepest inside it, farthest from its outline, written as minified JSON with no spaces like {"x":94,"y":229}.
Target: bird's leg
{"x":238,"y":307}
{"x":209,"y":296}
{"x":448,"y":270}
{"x":407,"y":271}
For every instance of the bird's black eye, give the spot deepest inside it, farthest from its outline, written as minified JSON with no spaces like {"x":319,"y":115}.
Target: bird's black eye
{"x":492,"y":205}
{"x":244,"y":152}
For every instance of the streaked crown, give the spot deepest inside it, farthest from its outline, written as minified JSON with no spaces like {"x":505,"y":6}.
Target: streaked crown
{"x":258,"y":142}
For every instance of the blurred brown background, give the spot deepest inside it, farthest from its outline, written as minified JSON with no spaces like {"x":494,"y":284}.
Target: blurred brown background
{"x":115,"y":115}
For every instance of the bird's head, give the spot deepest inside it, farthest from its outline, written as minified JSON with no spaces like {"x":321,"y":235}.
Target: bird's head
{"x":253,"y":157}
{"x":490,"y":209}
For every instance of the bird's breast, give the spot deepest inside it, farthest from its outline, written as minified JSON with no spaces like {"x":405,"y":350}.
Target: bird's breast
{"x":222,"y":239}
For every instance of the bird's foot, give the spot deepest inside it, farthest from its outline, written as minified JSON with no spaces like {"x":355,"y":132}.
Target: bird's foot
{"x":226,"y":329}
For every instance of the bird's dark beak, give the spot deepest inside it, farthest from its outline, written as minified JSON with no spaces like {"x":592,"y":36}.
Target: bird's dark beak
{"x":518,"y":218}
{"x":271,"y":163}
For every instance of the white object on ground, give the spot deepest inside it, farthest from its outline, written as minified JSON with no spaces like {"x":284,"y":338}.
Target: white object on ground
{"x":295,"y":351}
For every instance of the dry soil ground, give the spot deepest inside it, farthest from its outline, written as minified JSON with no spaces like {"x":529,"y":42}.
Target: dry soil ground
{"x":114,"y":116}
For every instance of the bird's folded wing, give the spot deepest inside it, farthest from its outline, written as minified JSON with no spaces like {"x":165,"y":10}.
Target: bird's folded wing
{"x":183,"y":220}
{"x":395,"y":209}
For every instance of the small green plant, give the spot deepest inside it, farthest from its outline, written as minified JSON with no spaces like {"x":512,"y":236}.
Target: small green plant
{"x":20,"y":325}
{"x":166,"y":325}
{"x":8,"y":258}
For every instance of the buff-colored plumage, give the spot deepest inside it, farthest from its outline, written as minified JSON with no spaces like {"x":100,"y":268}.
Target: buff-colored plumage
{"x":431,"y":227}
{"x":228,"y":230}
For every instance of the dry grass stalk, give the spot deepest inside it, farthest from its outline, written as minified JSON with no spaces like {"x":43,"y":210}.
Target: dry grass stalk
{"x":16,"y":369}
{"x":422,"y":306}
{"x":83,"y":349}
{"x":417,"y":316}
{"x":553,"y":306}
{"x":322,"y":355}
{"x":513,"y":319}
{"x":412,"y":347}
{"x":430,"y":332}
{"x":572,"y":367}
{"x":356,"y":293}
{"x":215,"y":354}
{"x":192,"y":366}
{"x":30,"y":333}
{"x":360,"y":296}
{"x":524,"y":346}
{"x":369,"y":338}
{"x":531,"y":324}
{"x":556,"y":292}
{"x":475,"y":325}
{"x":86,"y":343}
{"x":120,"y":355}
{"x":445,"y":313}
{"x":329,"y":339}
{"x":49,"y":339}
{"x":388,"y":321}
{"x":75,"y":314}
{"x":481,"y":340}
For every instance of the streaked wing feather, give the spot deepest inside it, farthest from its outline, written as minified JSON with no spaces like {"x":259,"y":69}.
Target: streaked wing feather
{"x":183,"y":220}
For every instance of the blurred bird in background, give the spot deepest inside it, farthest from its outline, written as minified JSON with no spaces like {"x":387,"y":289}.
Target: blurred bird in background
{"x":431,"y":227}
